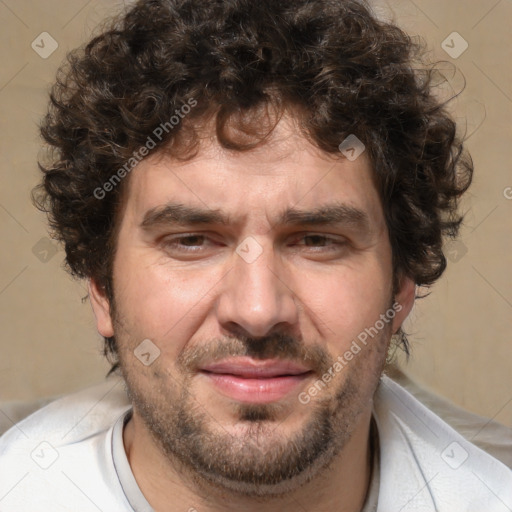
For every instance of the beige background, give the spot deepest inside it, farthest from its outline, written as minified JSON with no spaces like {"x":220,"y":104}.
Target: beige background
{"x":461,"y":333}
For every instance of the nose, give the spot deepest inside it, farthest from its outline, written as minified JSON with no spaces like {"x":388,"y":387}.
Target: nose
{"x":255,"y":298}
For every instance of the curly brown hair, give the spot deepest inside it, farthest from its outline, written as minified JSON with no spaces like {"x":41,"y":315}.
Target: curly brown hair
{"x":334,"y":63}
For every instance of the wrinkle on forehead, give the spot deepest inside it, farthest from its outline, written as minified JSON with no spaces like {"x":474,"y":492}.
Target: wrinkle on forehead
{"x":285,"y":172}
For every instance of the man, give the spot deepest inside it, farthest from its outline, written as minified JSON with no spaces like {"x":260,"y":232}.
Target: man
{"x":253,"y":191}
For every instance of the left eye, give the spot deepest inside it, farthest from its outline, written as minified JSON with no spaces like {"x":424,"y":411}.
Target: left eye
{"x":320,"y":241}
{"x":189,"y":240}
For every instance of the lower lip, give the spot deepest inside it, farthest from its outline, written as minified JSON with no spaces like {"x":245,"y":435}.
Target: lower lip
{"x":256,"y":390}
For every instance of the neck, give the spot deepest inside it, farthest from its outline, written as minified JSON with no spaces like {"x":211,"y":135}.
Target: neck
{"x":342,"y":485}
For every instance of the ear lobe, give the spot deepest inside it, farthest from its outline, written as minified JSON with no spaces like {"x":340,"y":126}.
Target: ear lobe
{"x":101,"y":308}
{"x":405,"y":298}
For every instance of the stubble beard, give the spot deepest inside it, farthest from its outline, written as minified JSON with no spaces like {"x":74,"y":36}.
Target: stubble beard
{"x":255,"y":459}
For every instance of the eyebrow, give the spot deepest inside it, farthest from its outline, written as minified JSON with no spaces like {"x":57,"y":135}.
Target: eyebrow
{"x":325,"y":215}
{"x":174,"y":213}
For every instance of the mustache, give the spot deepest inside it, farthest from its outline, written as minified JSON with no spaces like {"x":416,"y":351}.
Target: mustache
{"x":276,"y":346}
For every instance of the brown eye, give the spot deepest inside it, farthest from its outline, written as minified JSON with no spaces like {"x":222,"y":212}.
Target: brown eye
{"x":186,"y":243}
{"x":192,"y":240}
{"x":313,"y":240}
{"x":317,"y":240}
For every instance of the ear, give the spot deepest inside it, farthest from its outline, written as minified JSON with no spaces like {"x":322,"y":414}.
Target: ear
{"x":405,"y":298}
{"x":101,"y":309}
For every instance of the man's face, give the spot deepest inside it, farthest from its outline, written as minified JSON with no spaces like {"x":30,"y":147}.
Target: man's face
{"x":249,"y":310}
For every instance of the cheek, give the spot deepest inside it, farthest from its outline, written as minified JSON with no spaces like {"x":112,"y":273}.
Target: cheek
{"x":347,"y":301}
{"x":157,"y":303}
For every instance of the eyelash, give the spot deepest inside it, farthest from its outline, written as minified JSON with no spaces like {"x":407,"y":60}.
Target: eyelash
{"x":173,"y":242}
{"x":335,"y":241}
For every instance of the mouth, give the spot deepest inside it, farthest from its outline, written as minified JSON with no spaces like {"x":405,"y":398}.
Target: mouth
{"x":256,"y":381}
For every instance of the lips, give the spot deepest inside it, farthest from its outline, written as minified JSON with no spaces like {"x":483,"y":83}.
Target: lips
{"x":256,"y":381}
{"x":249,"y":368}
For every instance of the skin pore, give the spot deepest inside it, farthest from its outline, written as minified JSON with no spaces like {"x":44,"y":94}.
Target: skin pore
{"x":317,"y":271}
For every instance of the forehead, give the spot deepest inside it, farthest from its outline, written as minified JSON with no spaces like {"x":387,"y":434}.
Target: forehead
{"x":286,"y":171}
